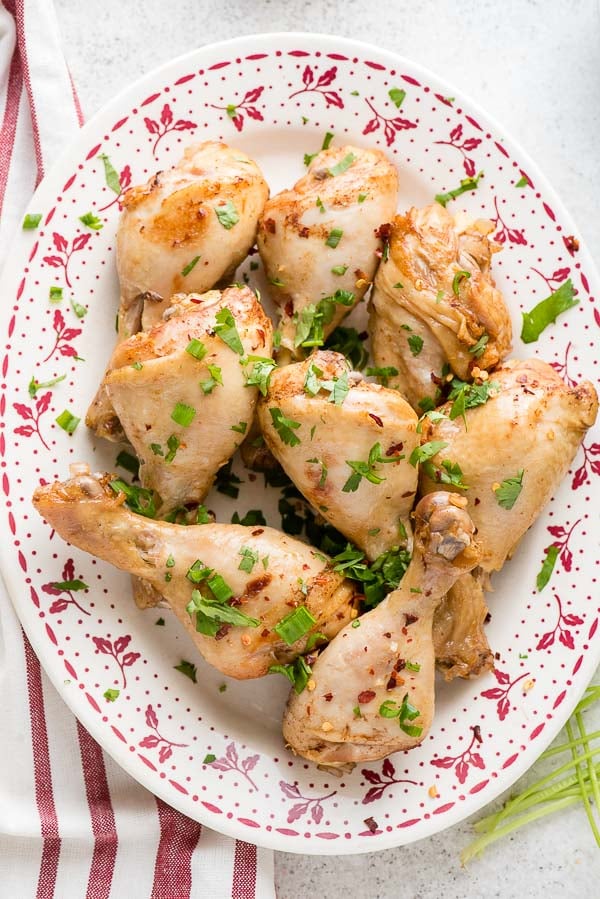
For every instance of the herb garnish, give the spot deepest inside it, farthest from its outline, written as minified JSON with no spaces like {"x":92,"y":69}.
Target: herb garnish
{"x":546,"y":312}
{"x":366,"y":469}
{"x":457,"y":280}
{"x":378,"y":578}
{"x":404,"y":712}
{"x":509,"y":491}
{"x":188,"y":669}
{"x":349,"y":343}
{"x":35,"y":385}
{"x":415,"y":343}
{"x":339,"y":269}
{"x":298,"y":673}
{"x":196,"y":349}
{"x":479,"y":348}
{"x":183,"y":414}
{"x":91,"y":221}
{"x":188,"y":268}
{"x":55,"y":294}
{"x":311,"y":320}
{"x":285,"y":427}
{"x":468,"y":396}
{"x":173,"y":445}
{"x":260,"y":374}
{"x":111,"y":695}
{"x":110,"y":174}
{"x":215,"y":378}
{"x":249,"y":559}
{"x":547,"y":567}
{"x":308,"y":157}
{"x":128,"y":462}
{"x":79,"y":310}
{"x":225,"y":328}
{"x":212,"y":613}
{"x":343,"y":165}
{"x":465,"y":185}
{"x":295,"y":625}
{"x":335,"y":235}
{"x":240,"y":427}
{"x":383,"y":374}
{"x":31,"y":221}
{"x":67,"y":421}
{"x":324,"y":470}
{"x":138,"y":499}
{"x":227,"y":215}
{"x":426,"y":451}
{"x":250,"y":519}
{"x":397,"y":96}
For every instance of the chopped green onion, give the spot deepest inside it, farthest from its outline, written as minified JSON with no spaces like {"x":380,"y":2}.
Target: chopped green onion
{"x":458,"y":278}
{"x":465,"y":185}
{"x":343,"y":165}
{"x":111,"y":695}
{"x":67,"y":421}
{"x":173,"y":445}
{"x":128,"y":462}
{"x":249,"y":559}
{"x":295,"y":625}
{"x":35,"y":385}
{"x":226,"y":329}
{"x":55,"y":294}
{"x":547,"y":311}
{"x":188,"y":268}
{"x":31,"y":221}
{"x":547,"y":567}
{"x":298,"y":673}
{"x":196,"y":349}
{"x":479,"y":348}
{"x":335,"y":235}
{"x":339,"y":269}
{"x":79,"y":310}
{"x":138,"y":499}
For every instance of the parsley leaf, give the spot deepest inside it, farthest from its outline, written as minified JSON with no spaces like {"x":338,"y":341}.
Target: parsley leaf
{"x":415,"y":343}
{"x":260,"y":375}
{"x":285,"y":427}
{"x":91,"y":221}
{"x":349,"y":343}
{"x":367,"y":469}
{"x":226,"y":329}
{"x":312,"y":319}
{"x":110,"y":174}
{"x":425,"y":452}
{"x":397,"y":96}
{"x":546,"y":312}
{"x":188,"y":669}
{"x":383,"y":374}
{"x":509,"y":491}
{"x":547,"y":567}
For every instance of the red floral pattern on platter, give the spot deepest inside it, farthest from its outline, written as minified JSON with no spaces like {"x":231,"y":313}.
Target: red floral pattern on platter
{"x":60,"y":589}
{"x":503,"y":232}
{"x":563,"y":367}
{"x":466,"y":759}
{"x":63,"y":338}
{"x":464,"y":147}
{"x":165,"y":125}
{"x":582,"y":475}
{"x":232,"y":762}
{"x":156,"y":739}
{"x":562,"y":543}
{"x":382,"y":781}
{"x":307,"y":806}
{"x":391,"y":125}
{"x":318,"y":84}
{"x":561,"y":628}
{"x":501,"y":693}
{"x":62,"y":257}
{"x":555,"y":279}
{"x":246,"y":104}
{"x":116,"y":650}
{"x":33,"y":415}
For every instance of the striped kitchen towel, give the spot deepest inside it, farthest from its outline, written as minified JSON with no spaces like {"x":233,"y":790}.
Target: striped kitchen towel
{"x":72,"y":823}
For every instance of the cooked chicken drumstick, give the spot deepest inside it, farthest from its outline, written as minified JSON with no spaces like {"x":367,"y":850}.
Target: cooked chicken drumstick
{"x":207,"y":206}
{"x":186,"y":229}
{"x":515,"y":448}
{"x":372,"y":690}
{"x":230,"y":586}
{"x":179,"y":390}
{"x":345,"y":444}
{"x":319,"y":240}
{"x":435,"y":302}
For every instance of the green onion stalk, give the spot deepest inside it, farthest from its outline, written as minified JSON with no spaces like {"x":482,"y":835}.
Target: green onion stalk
{"x":574,"y":782}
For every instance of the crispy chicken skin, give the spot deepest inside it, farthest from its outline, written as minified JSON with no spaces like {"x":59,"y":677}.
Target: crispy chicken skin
{"x":389,"y":660}
{"x":296,"y":225}
{"x":88,"y":513}
{"x":534,"y":424}
{"x":374,"y":515}
{"x":436,"y":285}
{"x":172,"y":218}
{"x":152,"y":372}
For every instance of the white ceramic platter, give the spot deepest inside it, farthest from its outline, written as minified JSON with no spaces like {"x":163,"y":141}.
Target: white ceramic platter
{"x":288,"y":91}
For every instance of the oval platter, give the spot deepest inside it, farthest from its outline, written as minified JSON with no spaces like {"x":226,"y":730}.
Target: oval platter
{"x":213,"y":749}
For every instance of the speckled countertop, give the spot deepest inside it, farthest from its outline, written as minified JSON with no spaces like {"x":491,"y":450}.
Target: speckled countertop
{"x":534,"y":65}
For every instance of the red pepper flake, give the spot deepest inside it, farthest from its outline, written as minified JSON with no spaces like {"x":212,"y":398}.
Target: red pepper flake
{"x":264,"y":632}
{"x":384,"y":231}
{"x":407,"y":493}
{"x":487,"y":618}
{"x":257,"y":532}
{"x":304,"y":232}
{"x":571,"y":243}
{"x":270,"y":226}
{"x":372,"y":824}
{"x":410,"y":619}
{"x":366,"y":696}
{"x":223,"y":631}
{"x":388,"y":635}
{"x":395,"y":449}
{"x":376,"y":419}
{"x":477,"y":733}
{"x":289,"y":309}
{"x":392,"y":681}
{"x":328,"y":697}
{"x":476,"y":501}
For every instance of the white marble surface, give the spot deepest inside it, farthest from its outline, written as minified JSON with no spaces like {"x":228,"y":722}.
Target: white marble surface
{"x":535,"y":66}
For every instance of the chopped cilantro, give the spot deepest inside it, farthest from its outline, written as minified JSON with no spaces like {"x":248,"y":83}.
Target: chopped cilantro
{"x":183,"y":415}
{"x":415,"y":343}
{"x":465,"y":185}
{"x":91,"y":221}
{"x":188,"y":669}
{"x":227,"y":215}
{"x":509,"y":491}
{"x":225,"y":328}
{"x":285,"y":427}
{"x":367,"y":469}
